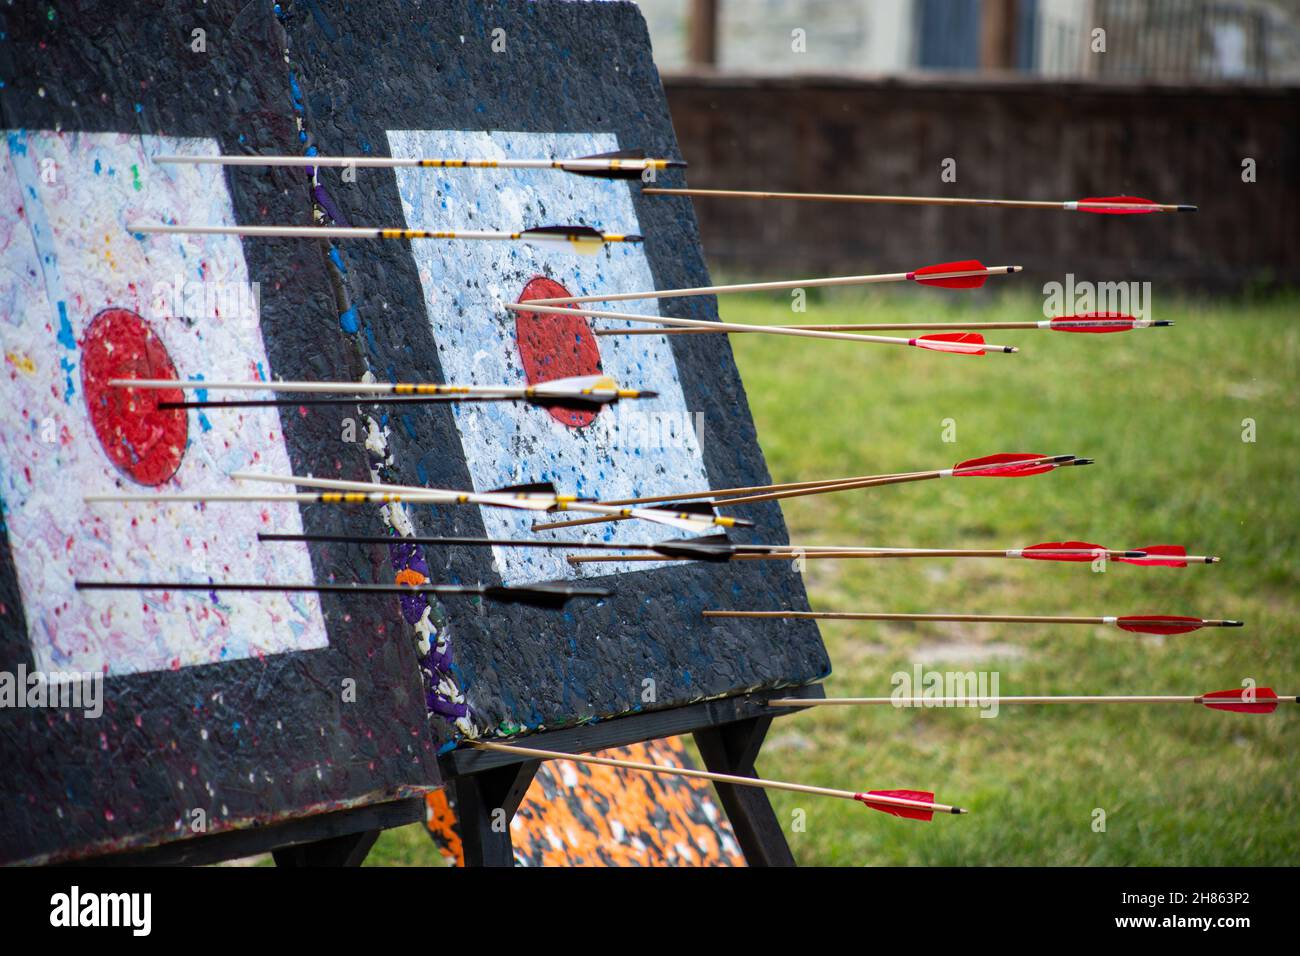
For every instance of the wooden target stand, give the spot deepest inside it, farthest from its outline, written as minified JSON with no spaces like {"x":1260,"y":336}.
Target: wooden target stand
{"x":489,"y":787}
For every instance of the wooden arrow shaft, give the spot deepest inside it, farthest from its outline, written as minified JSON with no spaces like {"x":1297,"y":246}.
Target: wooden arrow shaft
{"x":756,"y":489}
{"x":787,"y":553}
{"x":900,"y":200}
{"x":974,"y":698}
{"x":825,"y":282}
{"x":1129,"y":620}
{"x":532,"y":306}
{"x":815,"y":489}
{"x":865,"y":616}
{"x":733,"y":779}
{"x":728,"y":328}
{"x":793,"y":490}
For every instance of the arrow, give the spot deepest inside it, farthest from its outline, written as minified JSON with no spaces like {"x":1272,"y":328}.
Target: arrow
{"x":1113,"y":205}
{"x":1005,"y":465}
{"x":710,"y":548}
{"x":1259,"y":700}
{"x":583,"y":389}
{"x":965,"y":274}
{"x":579,"y":237}
{"x":539,"y":496}
{"x":1054,"y":551}
{"x":962,"y":343}
{"x":911,"y":804}
{"x":549,"y":594}
{"x":621,"y":164}
{"x":720,"y":548}
{"x":1090,"y":322}
{"x":1152,"y":555}
{"x":1141,"y":623}
{"x":328,"y":498}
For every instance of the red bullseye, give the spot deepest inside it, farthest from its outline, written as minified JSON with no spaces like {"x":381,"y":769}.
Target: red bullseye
{"x":556,"y":346}
{"x":144,"y":443}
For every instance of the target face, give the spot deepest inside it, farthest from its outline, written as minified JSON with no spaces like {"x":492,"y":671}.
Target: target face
{"x":627,"y":450}
{"x":85,"y":302}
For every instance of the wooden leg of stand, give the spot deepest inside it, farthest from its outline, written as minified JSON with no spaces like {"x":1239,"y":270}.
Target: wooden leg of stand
{"x":347,"y":850}
{"x":733,"y":748}
{"x":485,"y":804}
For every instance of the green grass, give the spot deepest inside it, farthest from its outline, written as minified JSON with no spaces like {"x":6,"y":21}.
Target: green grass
{"x":1161,"y":410}
{"x":405,"y":846}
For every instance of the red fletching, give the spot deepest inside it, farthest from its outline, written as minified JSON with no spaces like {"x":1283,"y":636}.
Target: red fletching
{"x":957,"y":282}
{"x":1174,"y":551}
{"x":960,"y":343}
{"x":1159,"y":624}
{"x":1001,"y":466}
{"x":1103,"y":205}
{"x":1241,"y":703}
{"x":1116,"y":322}
{"x":911,"y":813}
{"x":1062,"y":546}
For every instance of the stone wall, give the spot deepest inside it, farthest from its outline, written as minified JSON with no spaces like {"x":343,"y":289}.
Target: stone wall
{"x":1010,"y":138}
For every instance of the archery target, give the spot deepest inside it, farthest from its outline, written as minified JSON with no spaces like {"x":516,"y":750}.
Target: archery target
{"x":631,"y":449}
{"x":84,"y":301}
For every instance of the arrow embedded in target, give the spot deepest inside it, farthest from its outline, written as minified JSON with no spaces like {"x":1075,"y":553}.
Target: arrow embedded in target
{"x":964,"y":274}
{"x":578,"y":237}
{"x":583,"y":389}
{"x":1163,"y":555}
{"x":1137,"y":623}
{"x":959,"y":343}
{"x":1086,"y":322}
{"x":686,"y":517}
{"x":719,"y":548}
{"x":538,"y":496}
{"x":620,"y":164}
{"x":715,"y":547}
{"x":1003,"y":465}
{"x":1110,"y":205}
{"x":547,"y":594}
{"x":1248,"y":700}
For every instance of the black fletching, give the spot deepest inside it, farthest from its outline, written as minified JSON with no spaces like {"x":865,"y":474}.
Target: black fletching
{"x":605,"y":173}
{"x":532,"y":488}
{"x":691,"y":507}
{"x":582,"y":231}
{"x":572,"y":401}
{"x":714,"y":547}
{"x":554,"y":595}
{"x":618,"y":154}
{"x":618,"y":173}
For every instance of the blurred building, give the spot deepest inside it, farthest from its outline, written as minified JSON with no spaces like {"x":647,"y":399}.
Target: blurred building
{"x":1177,"y":100}
{"x":1255,"y":40}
